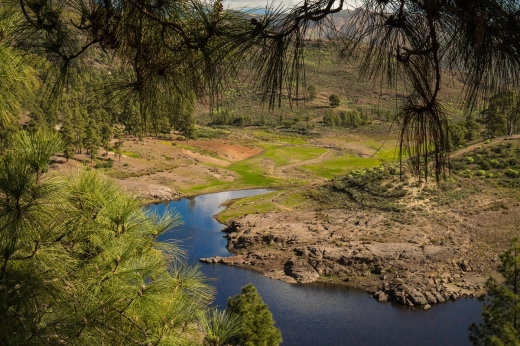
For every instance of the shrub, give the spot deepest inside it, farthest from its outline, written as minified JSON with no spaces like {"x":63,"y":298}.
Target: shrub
{"x":108,"y":164}
{"x":511,"y":173}
{"x":311,"y":92}
{"x":334,"y":100}
{"x":467,"y":173}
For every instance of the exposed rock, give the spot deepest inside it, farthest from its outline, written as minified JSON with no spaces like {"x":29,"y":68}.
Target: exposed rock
{"x":464,"y":266}
{"x":300,"y":247}
{"x":430,"y":298}
{"x":439,"y":297}
{"x":280,"y":275}
{"x":163,"y":193}
{"x":214,"y":259}
{"x":301,"y":270}
{"x":427,"y":306}
{"x":381,"y":296}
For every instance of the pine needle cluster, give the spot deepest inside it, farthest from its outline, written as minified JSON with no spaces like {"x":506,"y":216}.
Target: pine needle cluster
{"x":80,"y":263}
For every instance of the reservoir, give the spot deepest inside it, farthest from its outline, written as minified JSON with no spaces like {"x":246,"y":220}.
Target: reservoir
{"x":315,"y":314}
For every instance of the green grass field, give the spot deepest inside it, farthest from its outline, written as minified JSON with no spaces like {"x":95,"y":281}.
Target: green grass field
{"x":282,"y":155}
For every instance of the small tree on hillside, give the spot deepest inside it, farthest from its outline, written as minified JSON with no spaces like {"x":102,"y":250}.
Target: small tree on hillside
{"x":118,"y":146}
{"x":92,"y":139}
{"x":472,"y":127}
{"x":106,"y":136}
{"x":311,"y":92}
{"x":68,"y":137}
{"x":503,"y":114}
{"x":334,"y":100}
{"x":257,"y":323}
{"x":501,"y":311}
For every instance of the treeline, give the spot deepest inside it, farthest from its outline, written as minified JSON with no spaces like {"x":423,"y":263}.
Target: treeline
{"x":501,"y":117}
{"x":88,"y":114}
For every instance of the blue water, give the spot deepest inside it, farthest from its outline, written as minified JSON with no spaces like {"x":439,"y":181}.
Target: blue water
{"x":315,"y":314}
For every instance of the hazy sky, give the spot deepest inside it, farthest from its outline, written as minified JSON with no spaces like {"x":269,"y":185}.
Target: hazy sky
{"x":263,"y":3}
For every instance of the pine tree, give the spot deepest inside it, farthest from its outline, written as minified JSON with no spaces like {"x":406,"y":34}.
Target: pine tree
{"x":78,"y":124}
{"x":257,"y":323}
{"x":502,"y":115}
{"x":183,"y":119}
{"x":68,"y":137}
{"x":501,"y":311}
{"x":80,"y":263}
{"x":472,"y":127}
{"x":118,"y":146}
{"x":106,"y":136}
{"x":92,"y":139}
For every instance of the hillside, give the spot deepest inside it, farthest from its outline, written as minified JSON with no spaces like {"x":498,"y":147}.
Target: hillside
{"x":342,"y":212}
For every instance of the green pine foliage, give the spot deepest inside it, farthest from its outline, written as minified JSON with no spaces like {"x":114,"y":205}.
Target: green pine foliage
{"x":257,"y":323}
{"x":68,"y":137}
{"x":92,"y":139}
{"x":472,"y":127}
{"x":80,"y":263}
{"x":501,"y":311}
{"x":16,"y":74}
{"x":106,"y":136}
{"x":502,"y":116}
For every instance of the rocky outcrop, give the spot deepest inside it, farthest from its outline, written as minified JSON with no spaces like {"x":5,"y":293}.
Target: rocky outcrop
{"x":214,"y":259}
{"x":162,"y":193}
{"x":303,"y":247}
{"x":409,"y":295}
{"x":301,"y":271}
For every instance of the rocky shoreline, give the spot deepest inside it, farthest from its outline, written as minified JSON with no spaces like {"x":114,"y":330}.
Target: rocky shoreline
{"x":299,"y":247}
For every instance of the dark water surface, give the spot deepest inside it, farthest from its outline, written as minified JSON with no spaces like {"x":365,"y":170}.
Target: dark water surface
{"x":316,"y":314}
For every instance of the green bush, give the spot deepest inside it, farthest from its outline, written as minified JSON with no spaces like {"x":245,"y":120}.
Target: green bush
{"x":511,"y":173}
{"x":494,"y":163}
{"x":467,"y":173}
{"x":334,"y":100}
{"x":108,"y":164}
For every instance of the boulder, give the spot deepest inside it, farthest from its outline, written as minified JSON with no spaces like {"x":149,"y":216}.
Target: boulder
{"x":439,"y":297}
{"x":301,"y":271}
{"x":430,"y":298}
{"x":381,"y":296}
{"x":417,"y":298}
{"x":163,"y":193}
{"x":214,"y":259}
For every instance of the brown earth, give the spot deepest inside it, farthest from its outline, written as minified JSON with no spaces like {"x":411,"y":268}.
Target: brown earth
{"x":170,"y":164}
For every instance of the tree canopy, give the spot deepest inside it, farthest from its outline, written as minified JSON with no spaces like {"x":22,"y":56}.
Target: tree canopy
{"x":501,"y":311}
{"x":80,"y":264}
{"x":256,"y":321}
